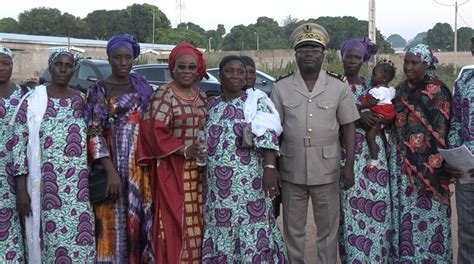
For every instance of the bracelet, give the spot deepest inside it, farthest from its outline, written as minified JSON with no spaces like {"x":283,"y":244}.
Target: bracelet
{"x":184,"y":153}
{"x":270,"y":166}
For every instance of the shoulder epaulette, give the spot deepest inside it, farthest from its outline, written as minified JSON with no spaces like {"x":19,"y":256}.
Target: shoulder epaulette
{"x":284,"y":76}
{"x":337,"y":76}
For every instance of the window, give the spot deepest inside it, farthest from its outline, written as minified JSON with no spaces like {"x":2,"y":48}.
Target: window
{"x":86,"y":71}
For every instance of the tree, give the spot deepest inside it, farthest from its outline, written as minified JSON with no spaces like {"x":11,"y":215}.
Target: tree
{"x":289,"y":24}
{"x":40,"y":21}
{"x":178,"y":35}
{"x":347,"y":27}
{"x":441,"y":37}
{"x":140,"y":20}
{"x":74,"y":27}
{"x":104,"y":24}
{"x":418,"y":39}
{"x":216,"y":37}
{"x":193,"y":27}
{"x":8,"y":25}
{"x":464,"y":38}
{"x":397,"y":41}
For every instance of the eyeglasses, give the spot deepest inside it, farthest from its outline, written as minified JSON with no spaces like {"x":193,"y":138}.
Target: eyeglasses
{"x":183,"y":67}
{"x":315,"y":51}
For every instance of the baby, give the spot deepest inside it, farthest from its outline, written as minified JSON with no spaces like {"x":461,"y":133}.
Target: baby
{"x":379,"y":101}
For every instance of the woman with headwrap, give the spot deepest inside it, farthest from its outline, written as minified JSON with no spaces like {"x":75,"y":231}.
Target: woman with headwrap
{"x":113,"y":111}
{"x":365,"y":208}
{"x":50,"y":165}
{"x":419,"y":182}
{"x":168,"y":146}
{"x":11,"y":243}
{"x":241,"y":180}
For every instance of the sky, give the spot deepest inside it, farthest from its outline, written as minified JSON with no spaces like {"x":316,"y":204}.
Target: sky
{"x":404,"y":17}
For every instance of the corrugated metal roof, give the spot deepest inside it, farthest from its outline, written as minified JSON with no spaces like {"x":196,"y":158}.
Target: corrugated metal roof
{"x":51,"y":40}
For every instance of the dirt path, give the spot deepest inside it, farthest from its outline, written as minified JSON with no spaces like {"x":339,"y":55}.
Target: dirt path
{"x":310,"y":246}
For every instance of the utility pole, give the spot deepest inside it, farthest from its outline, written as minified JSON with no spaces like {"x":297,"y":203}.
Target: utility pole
{"x":456,"y":5}
{"x":153,"y":33}
{"x":209,"y":46}
{"x":372,"y":28}
{"x":258,"y":44}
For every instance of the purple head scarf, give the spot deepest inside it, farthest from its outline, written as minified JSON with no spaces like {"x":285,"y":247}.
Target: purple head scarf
{"x":364,"y":45}
{"x":126,"y":41}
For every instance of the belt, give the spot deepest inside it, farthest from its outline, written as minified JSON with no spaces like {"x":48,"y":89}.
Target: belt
{"x":309,"y":141}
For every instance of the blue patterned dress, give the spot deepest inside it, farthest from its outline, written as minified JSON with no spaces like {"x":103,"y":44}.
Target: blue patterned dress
{"x":365,"y":208}
{"x":239,"y":224}
{"x":11,"y":242}
{"x":67,"y":221}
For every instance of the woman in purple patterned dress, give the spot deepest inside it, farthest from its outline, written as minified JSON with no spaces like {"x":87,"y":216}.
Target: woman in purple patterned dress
{"x":11,"y":243}
{"x":52,"y":175}
{"x":239,"y":224}
{"x":365,"y":208}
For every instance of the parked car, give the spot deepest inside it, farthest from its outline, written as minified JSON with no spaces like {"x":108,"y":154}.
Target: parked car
{"x":159,"y":74}
{"x":88,"y":73}
{"x":263,"y":82}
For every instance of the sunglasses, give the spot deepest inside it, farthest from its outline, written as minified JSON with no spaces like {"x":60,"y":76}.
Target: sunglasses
{"x":183,"y":67}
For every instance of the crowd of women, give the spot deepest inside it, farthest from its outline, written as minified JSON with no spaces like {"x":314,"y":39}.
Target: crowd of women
{"x":160,"y":206}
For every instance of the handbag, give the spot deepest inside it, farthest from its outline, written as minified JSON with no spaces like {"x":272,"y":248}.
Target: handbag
{"x":97,"y":184}
{"x":247,"y":135}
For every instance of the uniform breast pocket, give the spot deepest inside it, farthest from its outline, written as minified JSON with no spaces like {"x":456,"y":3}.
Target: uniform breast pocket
{"x":327,"y":109}
{"x":292,"y":109}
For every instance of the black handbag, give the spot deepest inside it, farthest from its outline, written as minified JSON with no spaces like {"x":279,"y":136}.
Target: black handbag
{"x":97,"y":184}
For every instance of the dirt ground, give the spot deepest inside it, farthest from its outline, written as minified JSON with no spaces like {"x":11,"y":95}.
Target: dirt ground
{"x":310,"y":246}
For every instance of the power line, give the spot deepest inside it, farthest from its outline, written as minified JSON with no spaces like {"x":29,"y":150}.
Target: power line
{"x":467,"y":24}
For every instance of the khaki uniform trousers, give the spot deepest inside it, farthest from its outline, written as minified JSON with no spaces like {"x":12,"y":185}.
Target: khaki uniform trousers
{"x":325,"y":202}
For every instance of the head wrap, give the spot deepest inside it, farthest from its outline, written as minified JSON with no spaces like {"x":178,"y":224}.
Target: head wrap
{"x":126,"y":41}
{"x":188,"y":49}
{"x":63,"y":51}
{"x":425,"y":53}
{"x":6,"y":51}
{"x":364,"y":45}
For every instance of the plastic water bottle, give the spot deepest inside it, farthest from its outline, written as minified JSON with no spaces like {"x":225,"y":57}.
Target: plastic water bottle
{"x":201,"y":139}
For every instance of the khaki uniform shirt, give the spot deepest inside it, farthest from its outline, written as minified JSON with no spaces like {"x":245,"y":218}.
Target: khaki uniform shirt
{"x":310,"y":149}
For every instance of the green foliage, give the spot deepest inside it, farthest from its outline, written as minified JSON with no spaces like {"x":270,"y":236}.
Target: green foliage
{"x":178,"y":35}
{"x":419,"y":38}
{"x":397,"y":41}
{"x":464,"y":39}
{"x":441,"y":37}
{"x":8,"y":25}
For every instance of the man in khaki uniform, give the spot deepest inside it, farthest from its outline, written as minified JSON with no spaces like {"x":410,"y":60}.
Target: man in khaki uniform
{"x":313,"y":105}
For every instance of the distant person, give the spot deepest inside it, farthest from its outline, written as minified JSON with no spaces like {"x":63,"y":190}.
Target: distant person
{"x":241,"y":180}
{"x":11,"y":244}
{"x":462,"y":132}
{"x":379,"y":101}
{"x":50,"y":167}
{"x":365,"y":208}
{"x":313,"y":106}
{"x":168,"y":145}
{"x":114,"y":108}
{"x":419,"y":181}
{"x":251,"y":72}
